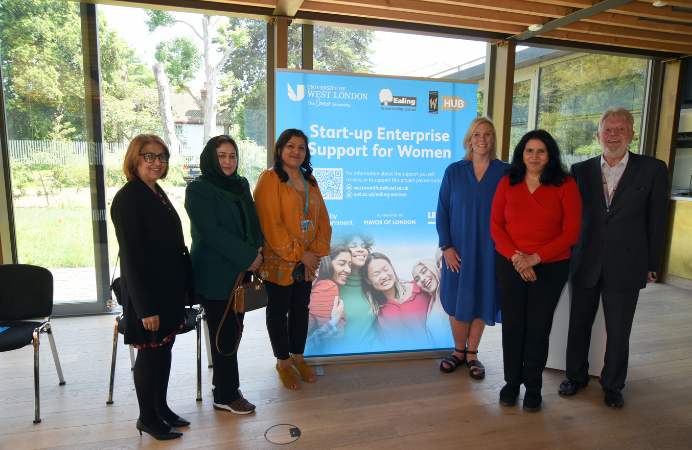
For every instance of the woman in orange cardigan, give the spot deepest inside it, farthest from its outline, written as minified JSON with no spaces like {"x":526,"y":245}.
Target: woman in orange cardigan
{"x":297,"y":233}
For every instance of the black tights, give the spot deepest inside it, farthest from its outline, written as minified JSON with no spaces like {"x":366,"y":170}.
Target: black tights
{"x":152,"y":370}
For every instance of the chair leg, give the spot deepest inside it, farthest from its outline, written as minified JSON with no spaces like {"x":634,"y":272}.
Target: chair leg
{"x":132,"y":357}
{"x":37,"y":404}
{"x":198,"y":328}
{"x":115,"y":353}
{"x":207,"y":341}
{"x":56,"y":359}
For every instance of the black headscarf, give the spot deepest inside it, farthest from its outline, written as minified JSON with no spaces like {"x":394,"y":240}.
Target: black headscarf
{"x":233,"y":187}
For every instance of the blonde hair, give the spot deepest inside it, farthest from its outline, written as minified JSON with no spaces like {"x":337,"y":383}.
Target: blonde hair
{"x":620,"y":113}
{"x":469,"y":133}
{"x":431,"y":265}
{"x":132,"y":160}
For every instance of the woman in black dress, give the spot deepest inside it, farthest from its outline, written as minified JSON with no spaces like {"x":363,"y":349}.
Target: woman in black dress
{"x":155,"y":276}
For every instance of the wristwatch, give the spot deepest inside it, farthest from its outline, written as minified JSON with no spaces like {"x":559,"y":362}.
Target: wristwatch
{"x":446,"y":247}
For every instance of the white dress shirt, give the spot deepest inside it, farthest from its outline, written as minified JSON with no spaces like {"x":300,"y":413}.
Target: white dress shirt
{"x":612,"y":175}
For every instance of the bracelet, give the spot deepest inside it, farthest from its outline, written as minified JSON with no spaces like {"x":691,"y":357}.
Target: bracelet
{"x":539,"y":258}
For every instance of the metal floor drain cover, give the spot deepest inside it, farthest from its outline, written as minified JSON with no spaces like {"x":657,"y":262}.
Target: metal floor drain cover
{"x":283,"y":433}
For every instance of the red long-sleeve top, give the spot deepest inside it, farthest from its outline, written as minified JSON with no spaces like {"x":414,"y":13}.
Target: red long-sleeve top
{"x":546,"y":222}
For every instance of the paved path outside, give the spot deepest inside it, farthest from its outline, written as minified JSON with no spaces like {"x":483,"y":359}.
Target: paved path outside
{"x":75,"y":285}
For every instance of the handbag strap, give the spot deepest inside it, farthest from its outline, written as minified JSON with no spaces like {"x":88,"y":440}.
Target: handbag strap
{"x":115,"y":267}
{"x":231,"y":300}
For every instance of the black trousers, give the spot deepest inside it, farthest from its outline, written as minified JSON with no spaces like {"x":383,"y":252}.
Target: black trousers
{"x":226,"y":379}
{"x":527,"y":317}
{"x":618,"y":309}
{"x":287,"y":317}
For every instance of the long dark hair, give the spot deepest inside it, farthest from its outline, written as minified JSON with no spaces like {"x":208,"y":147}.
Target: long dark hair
{"x":376,"y":298}
{"x":554,"y":171}
{"x":326,"y":267}
{"x":279,"y":164}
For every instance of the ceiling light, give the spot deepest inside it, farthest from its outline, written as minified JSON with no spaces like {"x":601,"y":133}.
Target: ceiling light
{"x":660,"y":4}
{"x":535,"y":27}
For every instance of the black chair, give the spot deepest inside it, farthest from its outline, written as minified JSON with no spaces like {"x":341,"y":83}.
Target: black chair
{"x":26,"y":292}
{"x":194,"y":322}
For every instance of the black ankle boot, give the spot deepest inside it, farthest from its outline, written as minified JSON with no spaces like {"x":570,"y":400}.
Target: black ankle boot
{"x":509,"y":394}
{"x":532,"y":401}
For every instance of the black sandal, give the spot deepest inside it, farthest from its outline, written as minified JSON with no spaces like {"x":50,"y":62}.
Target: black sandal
{"x":475,"y":366}
{"x":454,"y":361}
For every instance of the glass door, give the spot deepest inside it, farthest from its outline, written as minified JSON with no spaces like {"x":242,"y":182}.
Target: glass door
{"x":52,"y":161}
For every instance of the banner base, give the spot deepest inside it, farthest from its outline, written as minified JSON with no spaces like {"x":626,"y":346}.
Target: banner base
{"x":376,"y":357}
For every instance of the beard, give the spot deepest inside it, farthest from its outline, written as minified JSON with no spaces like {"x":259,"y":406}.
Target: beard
{"x":614,"y":153}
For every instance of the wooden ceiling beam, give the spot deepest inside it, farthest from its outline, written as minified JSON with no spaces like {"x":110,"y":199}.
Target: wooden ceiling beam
{"x":287,"y":8}
{"x":416,"y":17}
{"x":512,"y":6}
{"x":620,"y":42}
{"x":641,"y":9}
{"x":632,"y":22}
{"x":581,"y":4}
{"x":432,"y":8}
{"x":570,"y":18}
{"x":683,"y":3}
{"x":609,"y":30}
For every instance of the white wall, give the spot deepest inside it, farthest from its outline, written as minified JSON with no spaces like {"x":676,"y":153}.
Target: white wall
{"x":194,"y":136}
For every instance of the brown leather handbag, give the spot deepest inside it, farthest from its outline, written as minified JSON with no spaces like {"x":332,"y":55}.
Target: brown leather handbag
{"x":244,"y":297}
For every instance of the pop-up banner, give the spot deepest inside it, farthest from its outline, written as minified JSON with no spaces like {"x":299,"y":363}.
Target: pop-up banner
{"x":379,"y":149}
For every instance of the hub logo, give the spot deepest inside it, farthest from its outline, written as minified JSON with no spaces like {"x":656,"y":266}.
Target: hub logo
{"x":433,"y":99}
{"x":292,"y":95}
{"x":387,"y":98}
{"x":452,"y":103}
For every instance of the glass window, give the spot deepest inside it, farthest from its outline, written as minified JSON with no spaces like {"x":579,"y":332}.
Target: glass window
{"x":521,"y":107}
{"x":45,"y":105}
{"x":400,"y":54}
{"x":231,"y":100}
{"x":339,"y":49}
{"x":574,"y":93}
{"x":41,"y":56}
{"x":295,"y":46}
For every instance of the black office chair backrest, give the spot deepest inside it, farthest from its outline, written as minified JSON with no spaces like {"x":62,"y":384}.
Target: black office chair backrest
{"x":26,"y":292}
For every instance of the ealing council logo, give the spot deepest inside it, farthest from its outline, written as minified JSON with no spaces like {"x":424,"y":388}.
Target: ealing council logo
{"x":292,"y":95}
{"x":387,"y":98}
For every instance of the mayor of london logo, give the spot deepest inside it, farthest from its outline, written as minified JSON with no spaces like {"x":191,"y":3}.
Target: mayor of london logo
{"x":292,"y":94}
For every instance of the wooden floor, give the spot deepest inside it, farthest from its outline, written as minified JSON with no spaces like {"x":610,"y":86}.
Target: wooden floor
{"x":393,"y":405}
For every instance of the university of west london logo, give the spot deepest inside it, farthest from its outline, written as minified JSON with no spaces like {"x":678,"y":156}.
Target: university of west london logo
{"x":296,"y":97}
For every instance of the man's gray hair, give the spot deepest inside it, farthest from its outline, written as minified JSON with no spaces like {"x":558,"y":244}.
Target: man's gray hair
{"x":620,"y":113}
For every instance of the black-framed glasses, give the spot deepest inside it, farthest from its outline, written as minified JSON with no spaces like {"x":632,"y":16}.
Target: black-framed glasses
{"x":151,"y":157}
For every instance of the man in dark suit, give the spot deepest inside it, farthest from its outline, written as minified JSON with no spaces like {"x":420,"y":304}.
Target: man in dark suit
{"x":624,"y":212}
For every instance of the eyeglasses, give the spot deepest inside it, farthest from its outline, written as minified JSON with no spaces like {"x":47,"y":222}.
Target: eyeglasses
{"x":151,"y":157}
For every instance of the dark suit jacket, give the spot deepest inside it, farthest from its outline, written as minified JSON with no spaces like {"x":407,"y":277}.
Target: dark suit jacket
{"x":627,"y":241}
{"x":154,"y":262}
{"x":219,"y":251}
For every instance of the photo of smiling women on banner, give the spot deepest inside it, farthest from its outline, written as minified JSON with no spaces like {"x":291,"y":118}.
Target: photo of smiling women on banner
{"x":402,"y":307}
{"x":361,"y":313}
{"x":426,"y":275}
{"x":327,"y":321}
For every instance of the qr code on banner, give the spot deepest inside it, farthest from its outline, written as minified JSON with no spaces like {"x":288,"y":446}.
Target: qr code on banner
{"x":331,"y":182}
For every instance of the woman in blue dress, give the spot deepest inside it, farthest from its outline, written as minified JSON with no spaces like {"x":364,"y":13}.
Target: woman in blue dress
{"x":468,"y":291}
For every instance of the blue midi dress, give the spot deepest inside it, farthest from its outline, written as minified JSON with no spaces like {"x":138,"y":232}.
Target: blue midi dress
{"x":463,"y":222}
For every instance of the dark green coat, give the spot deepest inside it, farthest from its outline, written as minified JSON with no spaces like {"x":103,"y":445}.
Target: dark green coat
{"x":219,"y":251}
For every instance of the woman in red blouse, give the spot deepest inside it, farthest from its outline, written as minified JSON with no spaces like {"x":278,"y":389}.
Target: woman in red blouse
{"x":535,"y":220}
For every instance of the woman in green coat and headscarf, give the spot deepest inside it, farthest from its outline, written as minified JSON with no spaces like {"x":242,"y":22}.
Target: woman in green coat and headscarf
{"x":226,"y":240}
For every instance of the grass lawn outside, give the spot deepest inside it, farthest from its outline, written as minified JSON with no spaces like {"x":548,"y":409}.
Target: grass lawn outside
{"x":62,"y":236}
